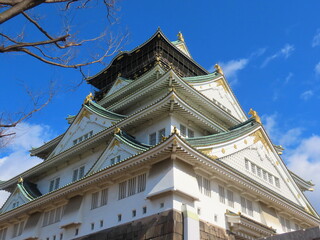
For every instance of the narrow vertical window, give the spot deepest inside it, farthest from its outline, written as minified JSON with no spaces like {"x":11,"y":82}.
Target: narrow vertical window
{"x":131,"y":186}
{"x":249,"y":208}
{"x":152,"y":138}
{"x":183,"y":130}
{"x":57,"y":183}
{"x":134,"y":213}
{"x":277,"y":182}
{"x":222,"y":196}
{"x":141,"y":182}
{"x":243,"y":205}
{"x":265,"y":175}
{"x":118,"y":158}
{"x":75,"y":175}
{"x":207,"y":187}
{"x":161,"y":134}
{"x":253,"y":168}
{"x":81,"y":172}
{"x":104,"y":197}
{"x":51,"y":185}
{"x":246,"y":161}
{"x":58,"y":214}
{"x":288,"y":225}
{"x":119,"y":218}
{"x":15,"y":230}
{"x":259,"y":172}
{"x":94,"y":200}
{"x":144,"y":210}
{"x":122,"y":190}
{"x":230,"y":198}
{"x":199,"y":180}
{"x":270,"y":178}
{"x":190,"y":133}
{"x":45,"y":219}
{"x":112,"y":161}
{"x":283,"y":224}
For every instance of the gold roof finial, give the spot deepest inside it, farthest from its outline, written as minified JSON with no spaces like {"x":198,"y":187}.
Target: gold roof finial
{"x":174,"y":129}
{"x":117,"y":130}
{"x":180,"y":37}
{"x":218,"y":69}
{"x":88,"y":98}
{"x":255,"y":115}
{"x":20,"y":180}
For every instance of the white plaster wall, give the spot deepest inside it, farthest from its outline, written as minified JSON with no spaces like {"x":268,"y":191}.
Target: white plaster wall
{"x":65,"y":171}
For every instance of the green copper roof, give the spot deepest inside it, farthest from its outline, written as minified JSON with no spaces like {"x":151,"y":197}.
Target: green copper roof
{"x":29,"y":190}
{"x":96,"y":108}
{"x":233,"y":133}
{"x":202,"y":78}
{"x":131,"y":141}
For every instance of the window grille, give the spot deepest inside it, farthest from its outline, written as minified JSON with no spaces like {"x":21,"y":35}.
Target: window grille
{"x":153,"y":138}
{"x":122,"y":190}
{"x":207,"y":187}
{"x":94,"y":200}
{"x":183,"y":130}
{"x":104,"y":197}
{"x":230,"y":198}
{"x":190,"y":133}
{"x":222,"y":196}
{"x":142,"y":182}
{"x":131,"y":186}
{"x":199,"y":180}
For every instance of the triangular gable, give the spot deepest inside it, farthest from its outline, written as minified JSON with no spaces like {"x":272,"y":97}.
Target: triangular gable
{"x":118,"y":84}
{"x":16,"y":199}
{"x":91,"y":119}
{"x":182,"y":47}
{"x":253,"y":154}
{"x":119,"y":148}
{"x":215,"y":87}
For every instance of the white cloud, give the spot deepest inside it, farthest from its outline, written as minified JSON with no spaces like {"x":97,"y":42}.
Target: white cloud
{"x":231,"y":69}
{"x":316,"y":39}
{"x":288,"y":77}
{"x":317,"y":68}
{"x":16,"y":157}
{"x":304,"y":160}
{"x":306,"y":95}
{"x":284,"y":52}
{"x":302,"y":155}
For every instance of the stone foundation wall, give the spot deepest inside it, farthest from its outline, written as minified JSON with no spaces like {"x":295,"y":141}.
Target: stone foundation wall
{"x":211,"y":232}
{"x":163,"y":226}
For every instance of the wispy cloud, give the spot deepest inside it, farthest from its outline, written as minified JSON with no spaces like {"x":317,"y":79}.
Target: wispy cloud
{"x":317,"y":68}
{"x":306,"y":95}
{"x":232,"y":68}
{"x":316,"y":39}
{"x":284,"y":52}
{"x":16,"y":157}
{"x":288,"y":78}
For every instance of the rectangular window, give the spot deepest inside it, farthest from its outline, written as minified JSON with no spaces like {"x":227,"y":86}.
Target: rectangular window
{"x":15,"y":230}
{"x":190,"y":133}
{"x":144,"y":210}
{"x":74,"y":142}
{"x":112,"y":161}
{"x":222,"y":196}
{"x":57,"y":183}
{"x":259,"y":172}
{"x":249,"y":208}
{"x":253,"y":168}
{"x":101,"y":223}
{"x":122,"y":190}
{"x":58,"y":214}
{"x":243,"y":205}
{"x":45,"y":219}
{"x":277,"y":182}
{"x":246,"y":161}
{"x":131,"y":186}
{"x":183,"y":130}
{"x":75,"y":175}
{"x":21,"y":227}
{"x":153,"y":138}
{"x":92,"y":226}
{"x":288,"y":225}
{"x":283,"y":224}
{"x":207,"y":187}
{"x":3,"y":233}
{"x":142,"y":182}
{"x":270,"y":177}
{"x":230,"y":198}
{"x":51,"y":216}
{"x":104,"y":197}
{"x":161,"y":134}
{"x":134,"y":213}
{"x":94,"y":200}
{"x":265,"y":175}
{"x":81,"y":172}
{"x":199,"y":180}
{"x":118,"y":158}
{"x":51,"y":185}
{"x":119,"y":217}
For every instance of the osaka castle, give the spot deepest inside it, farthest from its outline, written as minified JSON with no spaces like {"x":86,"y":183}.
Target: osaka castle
{"x":161,"y":150}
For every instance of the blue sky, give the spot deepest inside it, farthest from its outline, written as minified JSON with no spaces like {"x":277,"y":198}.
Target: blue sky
{"x":269,"y":50}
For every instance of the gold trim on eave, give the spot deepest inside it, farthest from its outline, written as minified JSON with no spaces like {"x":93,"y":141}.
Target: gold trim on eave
{"x":259,"y":136}
{"x":254,"y":115}
{"x":85,"y":113}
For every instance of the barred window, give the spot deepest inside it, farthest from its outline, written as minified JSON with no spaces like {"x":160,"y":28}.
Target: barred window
{"x":15,"y":230}
{"x":253,"y":168}
{"x":247,"y":163}
{"x":230,"y":198}
{"x":183,"y":130}
{"x":153,"y":138}
{"x":122,"y":190}
{"x":142,"y":182}
{"x":104,"y":197}
{"x":94,"y":200}
{"x":243,"y":205}
{"x":270,"y":178}
{"x":277,"y":182}
{"x":57,"y":183}
{"x":3,"y":233}
{"x":259,"y":172}
{"x":222,"y":196}
{"x":249,"y":207}
{"x":131,"y":186}
{"x":190,"y":133}
{"x":246,"y":206}
{"x":265,"y":177}
{"x":206,"y":187}
{"x":75,"y":175}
